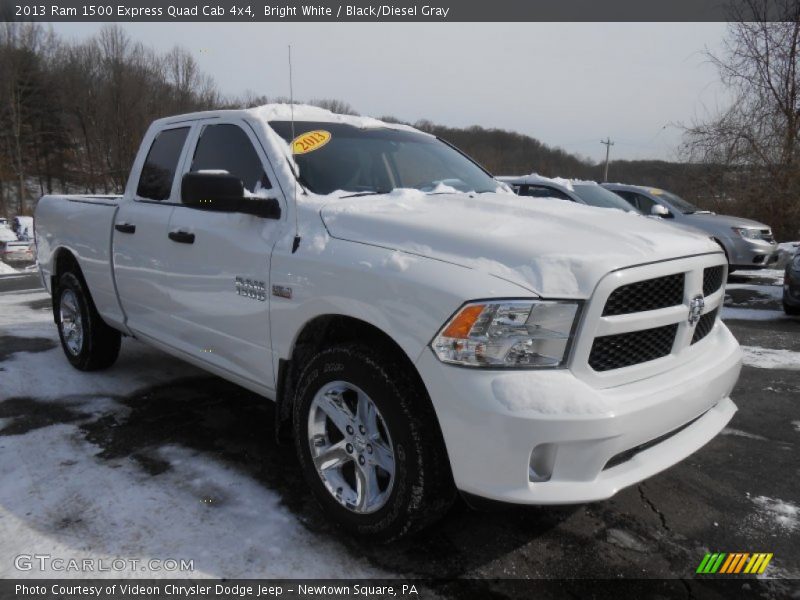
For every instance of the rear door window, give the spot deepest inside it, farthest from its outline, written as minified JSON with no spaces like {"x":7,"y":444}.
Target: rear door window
{"x":155,"y":182}
{"x":226,"y":147}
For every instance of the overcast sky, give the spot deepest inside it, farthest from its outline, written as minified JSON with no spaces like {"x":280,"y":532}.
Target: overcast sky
{"x":569,"y":85}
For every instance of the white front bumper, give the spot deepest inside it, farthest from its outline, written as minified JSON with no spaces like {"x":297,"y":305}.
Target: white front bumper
{"x":493,"y":420}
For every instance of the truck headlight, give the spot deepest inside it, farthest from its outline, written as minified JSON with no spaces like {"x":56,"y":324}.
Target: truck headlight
{"x":508,"y":333}
{"x":747,"y":233}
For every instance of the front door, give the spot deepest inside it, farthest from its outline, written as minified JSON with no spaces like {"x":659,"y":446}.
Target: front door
{"x":219,"y":262}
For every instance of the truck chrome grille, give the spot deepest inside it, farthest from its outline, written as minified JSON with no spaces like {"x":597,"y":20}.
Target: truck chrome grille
{"x":645,"y":319}
{"x":704,"y":325}
{"x":650,"y":294}
{"x":626,"y":349}
{"x":712,"y":279}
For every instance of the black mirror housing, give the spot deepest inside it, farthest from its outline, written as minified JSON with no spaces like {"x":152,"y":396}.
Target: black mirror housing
{"x":222,"y":192}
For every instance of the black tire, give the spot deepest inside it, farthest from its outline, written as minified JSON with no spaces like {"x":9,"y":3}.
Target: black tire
{"x":100,"y":343}
{"x":792,"y":311}
{"x":423,"y":488}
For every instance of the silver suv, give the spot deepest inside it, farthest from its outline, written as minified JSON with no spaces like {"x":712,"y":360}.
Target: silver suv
{"x":582,"y":192}
{"x":747,"y":244}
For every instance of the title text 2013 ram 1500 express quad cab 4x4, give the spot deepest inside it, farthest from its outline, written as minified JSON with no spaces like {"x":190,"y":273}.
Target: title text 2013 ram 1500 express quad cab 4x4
{"x":421,"y":329}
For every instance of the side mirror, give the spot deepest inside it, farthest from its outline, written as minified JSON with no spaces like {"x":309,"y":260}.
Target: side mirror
{"x":222,"y":192}
{"x":660,"y":211}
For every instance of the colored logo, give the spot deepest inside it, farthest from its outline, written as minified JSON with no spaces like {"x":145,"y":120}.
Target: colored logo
{"x":310,"y":141}
{"x":734,"y":563}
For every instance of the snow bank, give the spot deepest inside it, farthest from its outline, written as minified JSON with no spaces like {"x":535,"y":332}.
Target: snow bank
{"x":783,"y":514}
{"x":16,"y":310}
{"x":770,"y":358}
{"x":7,"y":269}
{"x":66,"y":502}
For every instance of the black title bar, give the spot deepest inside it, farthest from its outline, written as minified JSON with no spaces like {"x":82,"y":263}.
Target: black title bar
{"x":382,"y":11}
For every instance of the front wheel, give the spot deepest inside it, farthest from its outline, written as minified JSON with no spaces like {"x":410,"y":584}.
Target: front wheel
{"x":88,"y":343}
{"x":369,"y":444}
{"x":792,"y":311}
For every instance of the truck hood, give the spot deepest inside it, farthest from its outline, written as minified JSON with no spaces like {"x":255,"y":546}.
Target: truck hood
{"x":550,"y":247}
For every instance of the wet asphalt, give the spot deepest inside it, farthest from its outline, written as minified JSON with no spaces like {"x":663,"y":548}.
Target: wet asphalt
{"x":660,"y":528}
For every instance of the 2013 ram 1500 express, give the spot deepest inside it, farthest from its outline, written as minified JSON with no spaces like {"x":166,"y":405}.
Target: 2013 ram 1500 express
{"x":421,"y":329}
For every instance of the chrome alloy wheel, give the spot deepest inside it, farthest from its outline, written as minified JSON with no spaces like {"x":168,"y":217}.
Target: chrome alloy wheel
{"x":351,"y":447}
{"x":71,"y":322}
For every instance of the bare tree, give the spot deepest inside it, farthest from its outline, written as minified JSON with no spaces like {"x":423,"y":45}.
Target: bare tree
{"x":757,"y":138}
{"x":338,"y":106}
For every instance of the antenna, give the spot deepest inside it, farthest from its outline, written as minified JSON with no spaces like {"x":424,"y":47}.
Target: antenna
{"x":296,"y":242}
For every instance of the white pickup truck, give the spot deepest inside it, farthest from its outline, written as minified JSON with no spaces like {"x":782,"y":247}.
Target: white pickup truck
{"x":421,"y":329}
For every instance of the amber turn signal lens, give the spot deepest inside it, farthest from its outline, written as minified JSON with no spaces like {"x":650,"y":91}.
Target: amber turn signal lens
{"x":460,"y":327}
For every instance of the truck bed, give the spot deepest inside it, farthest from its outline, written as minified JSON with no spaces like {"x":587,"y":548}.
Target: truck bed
{"x":82,"y":224}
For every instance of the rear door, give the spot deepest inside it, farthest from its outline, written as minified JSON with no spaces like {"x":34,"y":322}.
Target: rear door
{"x":219,"y":262}
{"x":140,"y":242}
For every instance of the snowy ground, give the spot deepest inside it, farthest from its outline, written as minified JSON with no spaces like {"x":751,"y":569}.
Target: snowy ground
{"x":6,"y":269}
{"x":154,"y":459}
{"x":70,"y":502}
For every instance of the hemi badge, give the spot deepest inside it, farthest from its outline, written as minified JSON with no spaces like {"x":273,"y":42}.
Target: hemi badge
{"x":282,"y":291}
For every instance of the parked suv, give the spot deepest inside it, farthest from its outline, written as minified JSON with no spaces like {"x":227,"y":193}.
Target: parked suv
{"x":747,"y":244}
{"x":582,"y":192}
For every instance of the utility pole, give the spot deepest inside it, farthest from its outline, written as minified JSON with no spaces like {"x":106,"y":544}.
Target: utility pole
{"x":608,"y":143}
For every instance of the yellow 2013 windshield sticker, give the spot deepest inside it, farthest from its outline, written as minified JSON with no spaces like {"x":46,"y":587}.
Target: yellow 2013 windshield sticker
{"x":310,"y":141}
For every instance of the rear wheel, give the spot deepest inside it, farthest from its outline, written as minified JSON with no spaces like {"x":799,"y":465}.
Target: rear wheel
{"x":88,"y":343}
{"x":369,"y":444}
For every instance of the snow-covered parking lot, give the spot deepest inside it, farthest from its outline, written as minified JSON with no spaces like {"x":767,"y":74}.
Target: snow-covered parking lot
{"x":154,"y":459}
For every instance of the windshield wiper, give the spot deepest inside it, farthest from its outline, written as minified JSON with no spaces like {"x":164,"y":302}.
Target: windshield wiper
{"x":372,"y":193}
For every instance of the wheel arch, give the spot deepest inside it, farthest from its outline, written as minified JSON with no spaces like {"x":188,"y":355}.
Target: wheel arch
{"x":64,"y":261}
{"x":324,"y":331}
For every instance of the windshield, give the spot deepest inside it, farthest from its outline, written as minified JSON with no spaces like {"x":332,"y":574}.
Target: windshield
{"x":679,"y":203}
{"x":594,"y":195}
{"x":364,"y":161}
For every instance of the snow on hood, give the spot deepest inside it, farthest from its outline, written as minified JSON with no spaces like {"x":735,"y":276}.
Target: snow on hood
{"x":552,"y":249}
